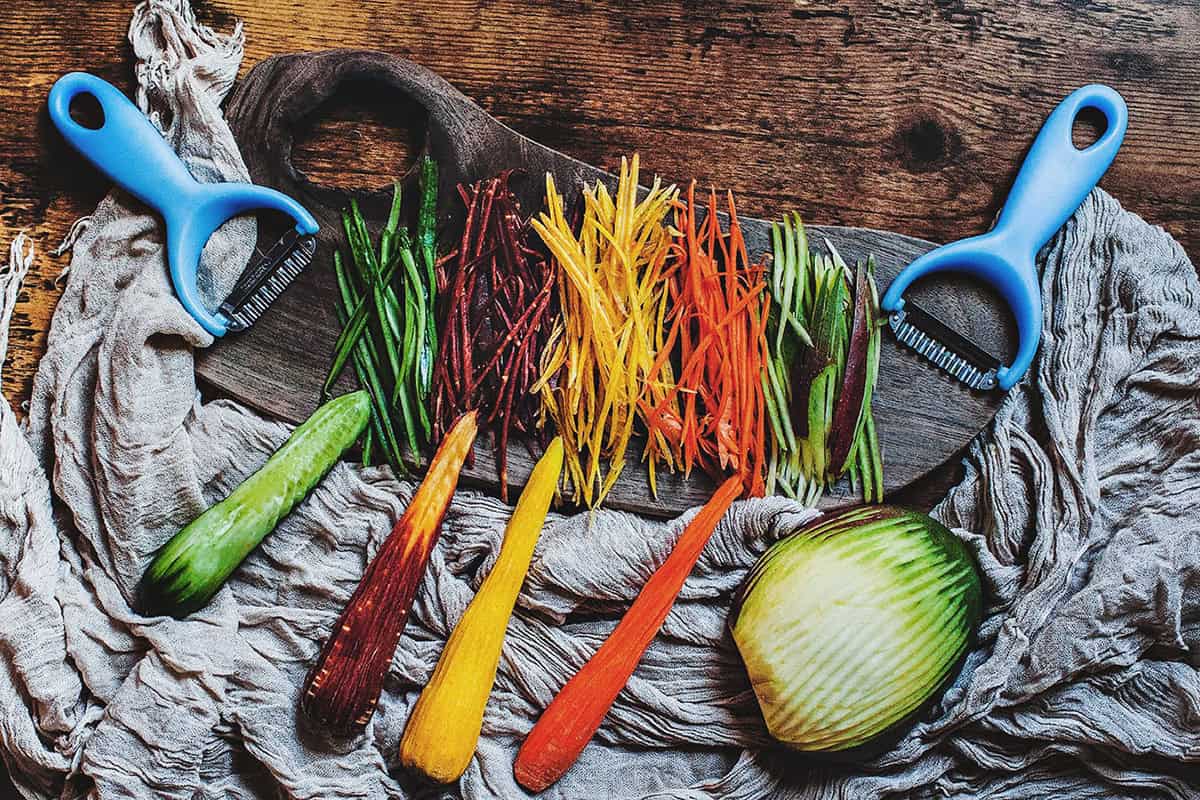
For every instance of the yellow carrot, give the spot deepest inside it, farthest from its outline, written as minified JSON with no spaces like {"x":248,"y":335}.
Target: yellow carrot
{"x":444,"y":726}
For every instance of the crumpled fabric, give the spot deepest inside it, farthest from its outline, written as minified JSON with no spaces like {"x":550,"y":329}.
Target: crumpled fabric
{"x":1078,"y":503}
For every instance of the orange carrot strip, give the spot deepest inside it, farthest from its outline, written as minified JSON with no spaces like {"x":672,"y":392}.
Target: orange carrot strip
{"x":575,"y":714}
{"x":712,"y":416}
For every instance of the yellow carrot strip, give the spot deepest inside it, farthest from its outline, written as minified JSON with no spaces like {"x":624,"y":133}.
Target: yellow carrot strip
{"x":613,"y":293}
{"x":443,"y":729}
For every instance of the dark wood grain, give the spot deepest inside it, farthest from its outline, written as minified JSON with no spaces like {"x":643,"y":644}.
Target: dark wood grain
{"x":902,"y":115}
{"x":279,"y":365}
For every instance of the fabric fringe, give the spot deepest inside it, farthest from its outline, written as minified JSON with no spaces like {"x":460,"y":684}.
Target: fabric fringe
{"x":12,"y":275}
{"x":78,"y":228}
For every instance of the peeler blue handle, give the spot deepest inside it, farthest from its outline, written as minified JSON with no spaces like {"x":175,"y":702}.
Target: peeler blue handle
{"x":130,"y":150}
{"x":1051,"y":184}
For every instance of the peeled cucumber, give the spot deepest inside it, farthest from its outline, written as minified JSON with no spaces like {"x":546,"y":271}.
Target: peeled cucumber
{"x":194,"y":564}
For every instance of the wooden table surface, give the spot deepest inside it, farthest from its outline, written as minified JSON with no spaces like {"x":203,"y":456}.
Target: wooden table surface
{"x":903,"y":115}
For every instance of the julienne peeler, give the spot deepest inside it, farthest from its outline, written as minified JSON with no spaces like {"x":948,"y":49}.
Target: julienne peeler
{"x":130,"y":150}
{"x":1051,"y":184}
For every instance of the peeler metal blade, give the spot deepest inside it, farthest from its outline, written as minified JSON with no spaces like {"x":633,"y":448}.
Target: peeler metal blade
{"x":266,"y":277}
{"x":943,"y":347}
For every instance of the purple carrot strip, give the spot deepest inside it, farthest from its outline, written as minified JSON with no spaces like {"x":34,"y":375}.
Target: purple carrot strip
{"x":499,"y":309}
{"x":848,"y":408}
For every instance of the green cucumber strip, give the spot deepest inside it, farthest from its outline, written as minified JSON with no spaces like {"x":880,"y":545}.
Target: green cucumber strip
{"x":777,"y":262}
{"x":393,"y":221}
{"x":368,"y":443}
{"x":427,"y":218}
{"x":352,"y":331}
{"x":366,"y":358}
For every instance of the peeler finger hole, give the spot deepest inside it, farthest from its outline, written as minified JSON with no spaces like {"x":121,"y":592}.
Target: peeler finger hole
{"x":370,"y":130}
{"x":86,"y":111}
{"x":1089,"y":126}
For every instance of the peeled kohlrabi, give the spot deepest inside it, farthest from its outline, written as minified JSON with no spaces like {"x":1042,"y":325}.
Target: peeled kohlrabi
{"x":848,"y":626}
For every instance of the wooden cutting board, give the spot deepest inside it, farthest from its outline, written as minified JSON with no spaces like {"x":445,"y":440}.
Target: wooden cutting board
{"x":923,"y":416}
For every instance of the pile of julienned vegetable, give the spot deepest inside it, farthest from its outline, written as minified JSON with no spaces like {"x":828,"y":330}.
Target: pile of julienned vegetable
{"x":628,"y":319}
{"x":391,"y":343}
{"x":824,"y":338}
{"x":712,"y":414}
{"x":602,"y":363}
{"x":496,"y":295}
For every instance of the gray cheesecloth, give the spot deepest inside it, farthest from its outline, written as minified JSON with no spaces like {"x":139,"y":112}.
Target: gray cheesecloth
{"x":1079,"y":502}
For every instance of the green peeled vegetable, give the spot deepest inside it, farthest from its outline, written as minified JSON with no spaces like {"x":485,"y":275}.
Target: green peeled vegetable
{"x":193,"y":565}
{"x":847,"y":627}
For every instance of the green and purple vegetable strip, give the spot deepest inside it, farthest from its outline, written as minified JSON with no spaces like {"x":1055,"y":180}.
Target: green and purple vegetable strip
{"x":824,"y":337}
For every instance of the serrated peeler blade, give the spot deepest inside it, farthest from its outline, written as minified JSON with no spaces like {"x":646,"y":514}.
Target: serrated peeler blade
{"x":967,"y":362}
{"x":266,"y":277}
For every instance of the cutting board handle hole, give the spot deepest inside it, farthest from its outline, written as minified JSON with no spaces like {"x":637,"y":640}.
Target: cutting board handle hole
{"x":370,"y":129}
{"x":1090,"y":124}
{"x":87,"y":112}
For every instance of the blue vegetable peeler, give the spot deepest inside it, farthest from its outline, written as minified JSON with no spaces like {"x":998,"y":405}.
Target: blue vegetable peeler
{"x":1052,"y":183}
{"x":130,"y":150}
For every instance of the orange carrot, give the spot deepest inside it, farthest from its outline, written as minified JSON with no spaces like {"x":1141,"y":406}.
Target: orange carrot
{"x":575,"y":714}
{"x":343,"y":687}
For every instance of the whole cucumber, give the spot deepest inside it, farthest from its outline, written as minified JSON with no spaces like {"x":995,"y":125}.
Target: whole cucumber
{"x":193,"y":565}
